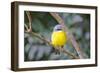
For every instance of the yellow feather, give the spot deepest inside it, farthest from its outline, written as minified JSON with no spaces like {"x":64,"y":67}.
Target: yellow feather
{"x":58,"y":38}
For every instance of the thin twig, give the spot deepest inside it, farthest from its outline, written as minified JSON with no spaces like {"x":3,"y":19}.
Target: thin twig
{"x":30,"y":20}
{"x":70,"y":36}
{"x":56,"y":16}
{"x":69,"y":53}
{"x":40,"y":37}
{"x":26,"y":27}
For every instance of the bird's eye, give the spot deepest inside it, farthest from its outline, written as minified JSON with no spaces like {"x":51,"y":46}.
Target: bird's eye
{"x":59,"y":29}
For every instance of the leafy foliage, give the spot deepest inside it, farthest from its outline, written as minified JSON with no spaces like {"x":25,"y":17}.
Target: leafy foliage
{"x":43,"y":23}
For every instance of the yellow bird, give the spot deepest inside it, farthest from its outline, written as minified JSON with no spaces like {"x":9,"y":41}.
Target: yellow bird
{"x":58,"y":38}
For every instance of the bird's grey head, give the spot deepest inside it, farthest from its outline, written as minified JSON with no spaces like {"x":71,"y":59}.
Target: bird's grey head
{"x":58,"y":27}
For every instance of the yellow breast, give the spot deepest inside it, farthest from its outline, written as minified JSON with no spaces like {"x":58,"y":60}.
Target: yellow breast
{"x":58,"y":38}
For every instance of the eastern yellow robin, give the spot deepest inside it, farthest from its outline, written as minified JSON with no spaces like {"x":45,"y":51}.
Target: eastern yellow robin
{"x":58,"y":38}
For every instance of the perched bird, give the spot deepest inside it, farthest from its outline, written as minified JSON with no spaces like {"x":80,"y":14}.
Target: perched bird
{"x":58,"y":38}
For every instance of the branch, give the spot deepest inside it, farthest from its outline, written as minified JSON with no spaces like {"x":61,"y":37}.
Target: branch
{"x":70,"y":36}
{"x":49,"y":43}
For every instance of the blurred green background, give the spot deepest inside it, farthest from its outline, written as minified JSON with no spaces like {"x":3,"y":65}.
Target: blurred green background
{"x":43,"y":23}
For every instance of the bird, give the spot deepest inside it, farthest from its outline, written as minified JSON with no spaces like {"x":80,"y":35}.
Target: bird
{"x":58,"y":38}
